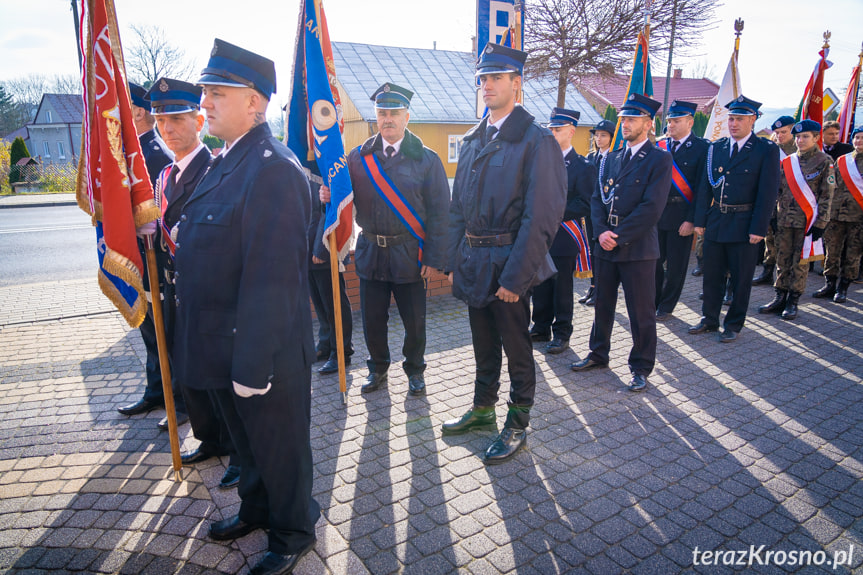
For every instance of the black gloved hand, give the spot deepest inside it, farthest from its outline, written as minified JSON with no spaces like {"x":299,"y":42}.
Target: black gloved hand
{"x":817,"y":233}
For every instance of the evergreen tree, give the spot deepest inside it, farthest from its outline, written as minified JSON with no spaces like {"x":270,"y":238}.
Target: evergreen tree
{"x":18,"y":151}
{"x":610,"y":114}
{"x":699,"y":125}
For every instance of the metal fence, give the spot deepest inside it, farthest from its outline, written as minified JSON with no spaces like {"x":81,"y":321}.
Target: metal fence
{"x":45,"y":177}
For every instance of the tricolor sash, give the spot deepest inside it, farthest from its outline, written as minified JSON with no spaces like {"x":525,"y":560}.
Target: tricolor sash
{"x":812,"y":250}
{"x":677,"y":177}
{"x":851,"y":176}
{"x":388,"y":191}
{"x":162,"y":202}
{"x":583,"y":268}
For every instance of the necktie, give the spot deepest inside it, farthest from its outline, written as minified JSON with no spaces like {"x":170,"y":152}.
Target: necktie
{"x":172,"y":177}
{"x":391,"y":151}
{"x":734,"y":150}
{"x":489,"y":133}
{"x":674,"y":145}
{"x":598,"y":159}
{"x":626,"y":157}
{"x":169,"y":187}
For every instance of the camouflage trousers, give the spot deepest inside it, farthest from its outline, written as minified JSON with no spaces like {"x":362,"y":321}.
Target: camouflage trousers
{"x":843,"y":242}
{"x":769,"y":248}
{"x":791,"y":273}
{"x":699,"y":246}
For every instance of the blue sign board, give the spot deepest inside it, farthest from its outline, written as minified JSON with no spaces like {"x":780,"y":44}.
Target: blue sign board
{"x":493,"y":19}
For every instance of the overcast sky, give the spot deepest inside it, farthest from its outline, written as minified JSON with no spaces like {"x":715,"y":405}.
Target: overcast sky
{"x":779,"y":46}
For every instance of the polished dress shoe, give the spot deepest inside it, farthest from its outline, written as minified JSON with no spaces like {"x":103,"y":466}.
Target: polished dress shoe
{"x":702,"y":327}
{"x":475,"y":418}
{"x":697,"y":271}
{"x":278,"y":564}
{"x":196,"y":456}
{"x":587,"y":296}
{"x":591,"y":301}
{"x":332,"y":365}
{"x":416,"y":384}
{"x":505,"y":446}
{"x":539,"y":336}
{"x":141,"y":406}
{"x":374,"y":381}
{"x":231,"y":478}
{"x":727,"y":336}
{"x":586,"y":364}
{"x":232,"y":528}
{"x":182,"y":417}
{"x":662,"y":315}
{"x":557,"y":345}
{"x":321,"y":355}
{"x":637,"y":383}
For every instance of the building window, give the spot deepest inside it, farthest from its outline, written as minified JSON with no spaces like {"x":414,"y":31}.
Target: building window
{"x":48,"y":116}
{"x":61,"y":151}
{"x":453,"y":148}
{"x":47,"y":149}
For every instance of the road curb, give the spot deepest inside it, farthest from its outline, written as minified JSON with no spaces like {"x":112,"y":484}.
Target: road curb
{"x":38,"y":204}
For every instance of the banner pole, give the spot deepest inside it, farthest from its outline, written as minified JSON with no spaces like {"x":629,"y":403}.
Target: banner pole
{"x":337,"y":316}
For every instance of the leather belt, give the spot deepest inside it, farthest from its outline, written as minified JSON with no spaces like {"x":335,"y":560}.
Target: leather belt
{"x":489,"y":241}
{"x":387,"y":241}
{"x":734,"y":208}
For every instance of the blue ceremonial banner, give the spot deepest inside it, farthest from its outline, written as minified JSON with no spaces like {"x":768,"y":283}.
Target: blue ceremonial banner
{"x":493,"y":19}
{"x":641,"y":82}
{"x":314,"y":121}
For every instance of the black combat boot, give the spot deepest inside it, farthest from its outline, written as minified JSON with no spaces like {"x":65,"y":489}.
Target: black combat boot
{"x":765,"y":277}
{"x":729,"y":292}
{"x":778,"y":303}
{"x":790,"y":311}
{"x":842,"y":292}
{"x":829,"y":289}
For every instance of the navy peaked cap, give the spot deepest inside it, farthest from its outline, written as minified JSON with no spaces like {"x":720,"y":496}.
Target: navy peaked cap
{"x":139,"y":96}
{"x":743,"y":106}
{"x":640,"y":105}
{"x":499,"y":59}
{"x":231,"y":65}
{"x":169,"y":96}
{"x":391,"y":96}
{"x":561,"y":117}
{"x":679,"y":108}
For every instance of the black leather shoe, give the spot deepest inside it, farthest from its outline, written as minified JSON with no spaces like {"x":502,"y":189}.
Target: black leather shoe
{"x":637,"y":383}
{"x":697,"y":271}
{"x":196,"y":456}
{"x":505,"y":446}
{"x":537,"y":336}
{"x":662,"y":315}
{"x":727,"y":336}
{"x":374,"y":381}
{"x":557,"y":345}
{"x":232,"y":528}
{"x":586,"y":364}
{"x":587,"y":296}
{"x":475,"y":418}
{"x":332,"y":365}
{"x":182,"y":418}
{"x":141,"y":406}
{"x":702,"y":327}
{"x":701,"y":296}
{"x":277,"y":564}
{"x":591,"y":301}
{"x":417,"y":384}
{"x":231,"y":477}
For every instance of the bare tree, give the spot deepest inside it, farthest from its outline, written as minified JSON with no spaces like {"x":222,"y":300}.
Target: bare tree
{"x":150,"y":56}
{"x":702,"y":69}
{"x":23,"y":94}
{"x":574,"y":38}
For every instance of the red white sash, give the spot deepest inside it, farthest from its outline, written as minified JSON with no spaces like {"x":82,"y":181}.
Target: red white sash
{"x":812,"y":250}
{"x":677,"y":177}
{"x":583,"y":268}
{"x":851,"y":176}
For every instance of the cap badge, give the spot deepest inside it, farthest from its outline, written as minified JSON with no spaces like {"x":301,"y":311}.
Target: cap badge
{"x":489,"y":49}
{"x":632,"y":96}
{"x":163,"y":86}
{"x":214,"y":50}
{"x":386,"y":87}
{"x":740,"y":98}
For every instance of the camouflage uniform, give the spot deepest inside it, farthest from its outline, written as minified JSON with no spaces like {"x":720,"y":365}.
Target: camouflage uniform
{"x":845,"y":230}
{"x":770,"y":238}
{"x":817,"y":168}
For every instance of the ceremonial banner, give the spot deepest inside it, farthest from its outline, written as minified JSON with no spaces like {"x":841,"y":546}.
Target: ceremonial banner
{"x":811,"y":106}
{"x":849,"y":106}
{"x":315,"y":122}
{"x":113,"y":184}
{"x":640,"y":82}
{"x":717,"y":126}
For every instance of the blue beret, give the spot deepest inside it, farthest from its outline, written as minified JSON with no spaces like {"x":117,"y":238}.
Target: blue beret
{"x":743,"y":106}
{"x":169,"y":96}
{"x":139,"y":96}
{"x":782,"y":121}
{"x":806,"y":126}
{"x":499,"y":59}
{"x":231,"y":65}
{"x":679,"y":108}
{"x":639,"y":105}
{"x":391,"y":96}
{"x":857,"y":130}
{"x":561,"y":117}
{"x":604,"y":126}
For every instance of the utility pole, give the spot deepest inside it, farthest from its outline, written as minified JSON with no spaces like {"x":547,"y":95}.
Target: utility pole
{"x":668,"y":70}
{"x":77,"y":33}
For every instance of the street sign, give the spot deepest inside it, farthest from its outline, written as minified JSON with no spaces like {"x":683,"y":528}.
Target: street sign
{"x":493,"y":19}
{"x":829,"y":101}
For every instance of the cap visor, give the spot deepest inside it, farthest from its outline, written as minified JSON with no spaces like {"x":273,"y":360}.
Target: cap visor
{"x":172,"y":109}
{"x":214,"y":80}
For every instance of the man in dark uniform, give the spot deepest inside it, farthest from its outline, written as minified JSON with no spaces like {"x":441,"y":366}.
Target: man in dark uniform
{"x":785,"y":140}
{"x":156,"y":156}
{"x":175,"y":105}
{"x":508,"y":201}
{"x":832,"y":146}
{"x":733,"y":208}
{"x":401,"y":196}
{"x":321,"y":287}
{"x":689,"y":153}
{"x":633,"y":190}
{"x":552,"y":299}
{"x":807,"y":191}
{"x":843,"y":238}
{"x":244,"y":324}
{"x":602,"y":133}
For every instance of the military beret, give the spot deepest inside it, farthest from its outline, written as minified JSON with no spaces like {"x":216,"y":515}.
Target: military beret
{"x":806,"y":126}
{"x":782,"y":121}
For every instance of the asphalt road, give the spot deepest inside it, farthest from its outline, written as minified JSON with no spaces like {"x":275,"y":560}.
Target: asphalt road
{"x":46,"y":244}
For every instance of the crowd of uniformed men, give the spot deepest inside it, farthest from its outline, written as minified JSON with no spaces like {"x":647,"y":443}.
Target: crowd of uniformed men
{"x":242,"y":253}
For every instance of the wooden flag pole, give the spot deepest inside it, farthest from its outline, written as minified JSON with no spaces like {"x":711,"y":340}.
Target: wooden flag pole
{"x":337,"y":316}
{"x":164,"y":362}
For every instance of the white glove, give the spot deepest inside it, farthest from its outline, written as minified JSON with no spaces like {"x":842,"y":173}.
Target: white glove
{"x":246,"y":392}
{"x":147,"y":229}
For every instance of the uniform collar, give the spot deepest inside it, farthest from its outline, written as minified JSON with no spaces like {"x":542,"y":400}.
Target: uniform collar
{"x":184,"y":163}
{"x":740,"y":143}
{"x":567,"y":151}
{"x":633,"y":150}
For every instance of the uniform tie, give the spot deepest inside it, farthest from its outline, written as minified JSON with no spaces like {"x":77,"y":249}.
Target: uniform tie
{"x":490,"y":131}
{"x":391,"y":151}
{"x":626,"y":157}
{"x":674,"y":145}
{"x":734,"y":150}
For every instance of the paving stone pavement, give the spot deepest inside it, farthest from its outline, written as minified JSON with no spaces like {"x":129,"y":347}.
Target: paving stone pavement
{"x":754,"y":443}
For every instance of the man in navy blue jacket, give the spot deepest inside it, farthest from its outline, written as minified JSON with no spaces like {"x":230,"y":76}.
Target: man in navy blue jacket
{"x":633,"y":189}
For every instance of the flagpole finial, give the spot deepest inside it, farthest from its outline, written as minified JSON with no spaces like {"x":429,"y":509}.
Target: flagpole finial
{"x":827,"y":35}
{"x":738,"y":27}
